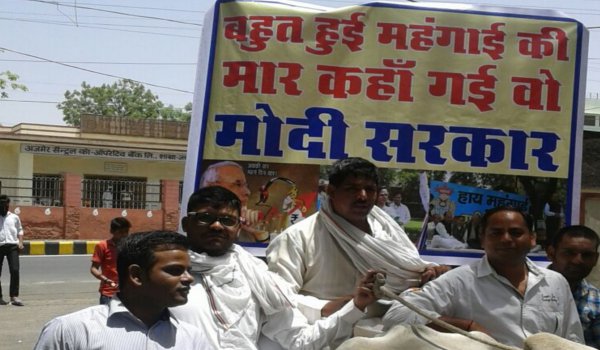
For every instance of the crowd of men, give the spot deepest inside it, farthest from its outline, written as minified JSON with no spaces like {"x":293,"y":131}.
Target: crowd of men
{"x":205,"y":291}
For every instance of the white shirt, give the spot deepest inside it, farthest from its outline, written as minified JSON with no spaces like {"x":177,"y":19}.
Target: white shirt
{"x":400,"y":213}
{"x":442,"y":239}
{"x":10,"y":229}
{"x":476,"y":292}
{"x":110,"y":327}
{"x":548,"y":212}
{"x":238,"y":324}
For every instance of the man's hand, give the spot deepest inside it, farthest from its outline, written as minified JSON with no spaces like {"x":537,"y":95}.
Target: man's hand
{"x":110,"y":282}
{"x":433,"y":272}
{"x":335,"y":305}
{"x":365,"y":295}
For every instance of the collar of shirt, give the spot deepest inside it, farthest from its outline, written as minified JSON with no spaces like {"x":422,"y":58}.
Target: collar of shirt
{"x":483,"y":269}
{"x":116,"y":307}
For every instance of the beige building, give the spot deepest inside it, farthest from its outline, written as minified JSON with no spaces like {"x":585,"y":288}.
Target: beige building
{"x":68,"y":182}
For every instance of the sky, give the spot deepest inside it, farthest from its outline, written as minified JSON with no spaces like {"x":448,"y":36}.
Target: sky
{"x":54,"y":47}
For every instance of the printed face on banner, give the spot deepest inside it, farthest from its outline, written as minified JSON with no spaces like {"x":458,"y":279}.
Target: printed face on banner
{"x":273,"y":196}
{"x":405,"y":86}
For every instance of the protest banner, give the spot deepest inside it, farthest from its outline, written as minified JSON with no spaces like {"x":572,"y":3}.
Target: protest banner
{"x":417,"y":86}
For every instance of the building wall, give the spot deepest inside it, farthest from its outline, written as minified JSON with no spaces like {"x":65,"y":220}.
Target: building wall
{"x":151,"y":170}
{"x":40,"y":222}
{"x":76,"y":222}
{"x":8,"y":158}
{"x":157,"y":157}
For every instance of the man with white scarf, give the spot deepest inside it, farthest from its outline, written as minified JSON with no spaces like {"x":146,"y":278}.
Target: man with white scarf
{"x":324,"y":255}
{"x":235,"y":298}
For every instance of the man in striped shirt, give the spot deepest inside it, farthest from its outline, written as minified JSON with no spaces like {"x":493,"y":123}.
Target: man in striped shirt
{"x":153,"y":275}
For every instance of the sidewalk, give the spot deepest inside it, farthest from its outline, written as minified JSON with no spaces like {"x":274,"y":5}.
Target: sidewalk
{"x":58,"y":247}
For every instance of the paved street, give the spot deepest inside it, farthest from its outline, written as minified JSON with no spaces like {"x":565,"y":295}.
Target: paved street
{"x":50,"y":286}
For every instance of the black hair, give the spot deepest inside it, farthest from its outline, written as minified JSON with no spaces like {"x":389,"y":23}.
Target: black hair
{"x":353,"y":166}
{"x":216,"y":197}
{"x":4,"y":198}
{"x":576,"y":231}
{"x":119,"y":223}
{"x":139,"y":249}
{"x":484,"y":219}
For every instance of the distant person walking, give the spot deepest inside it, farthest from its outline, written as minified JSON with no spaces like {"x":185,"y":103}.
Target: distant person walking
{"x":104,"y":260}
{"x":11,"y":242}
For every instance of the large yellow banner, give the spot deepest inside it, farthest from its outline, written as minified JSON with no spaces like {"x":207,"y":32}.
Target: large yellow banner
{"x":405,"y":86}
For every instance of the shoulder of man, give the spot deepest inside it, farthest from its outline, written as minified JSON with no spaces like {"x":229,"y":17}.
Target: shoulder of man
{"x":304,"y":227}
{"x":75,"y":320}
{"x":13,"y":216}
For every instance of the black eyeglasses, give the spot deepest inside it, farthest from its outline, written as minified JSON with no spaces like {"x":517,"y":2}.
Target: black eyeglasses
{"x":206,"y":219}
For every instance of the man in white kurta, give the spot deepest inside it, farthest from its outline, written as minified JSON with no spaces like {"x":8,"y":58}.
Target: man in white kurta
{"x":324,"y":255}
{"x":223,"y":305}
{"x":236,"y":299}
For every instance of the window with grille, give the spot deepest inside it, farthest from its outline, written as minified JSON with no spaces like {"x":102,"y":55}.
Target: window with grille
{"x":116,"y":192}
{"x":47,"y":189}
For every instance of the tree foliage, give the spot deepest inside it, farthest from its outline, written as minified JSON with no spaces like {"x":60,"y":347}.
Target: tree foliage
{"x":9,"y":80}
{"x":177,"y":114}
{"x":125,"y":98}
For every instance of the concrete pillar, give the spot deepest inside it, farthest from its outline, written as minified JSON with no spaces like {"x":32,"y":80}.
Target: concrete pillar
{"x":25,"y":180}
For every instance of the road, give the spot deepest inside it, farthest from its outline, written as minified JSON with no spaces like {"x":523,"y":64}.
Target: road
{"x":50,"y":286}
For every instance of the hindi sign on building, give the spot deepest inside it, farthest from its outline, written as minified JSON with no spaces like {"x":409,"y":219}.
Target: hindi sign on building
{"x":413,"y":86}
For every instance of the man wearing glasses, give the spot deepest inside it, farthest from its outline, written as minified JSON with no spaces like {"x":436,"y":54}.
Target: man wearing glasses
{"x":235,"y":298}
{"x":231,"y":175}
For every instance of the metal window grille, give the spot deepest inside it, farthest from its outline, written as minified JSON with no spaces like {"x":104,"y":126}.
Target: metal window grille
{"x":47,"y":189}
{"x":119,"y":192}
{"x":42,"y":189}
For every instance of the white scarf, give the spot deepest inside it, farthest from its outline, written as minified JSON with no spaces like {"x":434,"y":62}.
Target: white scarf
{"x":393,"y":253}
{"x":232,"y":291}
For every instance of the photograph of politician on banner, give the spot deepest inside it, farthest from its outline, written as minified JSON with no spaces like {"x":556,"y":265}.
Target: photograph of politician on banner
{"x":273,"y":196}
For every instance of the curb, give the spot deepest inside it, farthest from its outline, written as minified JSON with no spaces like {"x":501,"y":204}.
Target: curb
{"x":63,"y":247}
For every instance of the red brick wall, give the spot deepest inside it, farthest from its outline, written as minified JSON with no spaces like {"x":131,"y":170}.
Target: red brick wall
{"x":38,"y":225}
{"x":170,"y":202}
{"x":76,"y":222}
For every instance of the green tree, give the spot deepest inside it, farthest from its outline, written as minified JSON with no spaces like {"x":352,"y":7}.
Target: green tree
{"x":125,"y":98}
{"x":177,"y":114}
{"x":9,"y":80}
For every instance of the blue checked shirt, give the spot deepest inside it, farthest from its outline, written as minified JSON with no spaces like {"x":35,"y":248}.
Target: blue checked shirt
{"x":587,"y":299}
